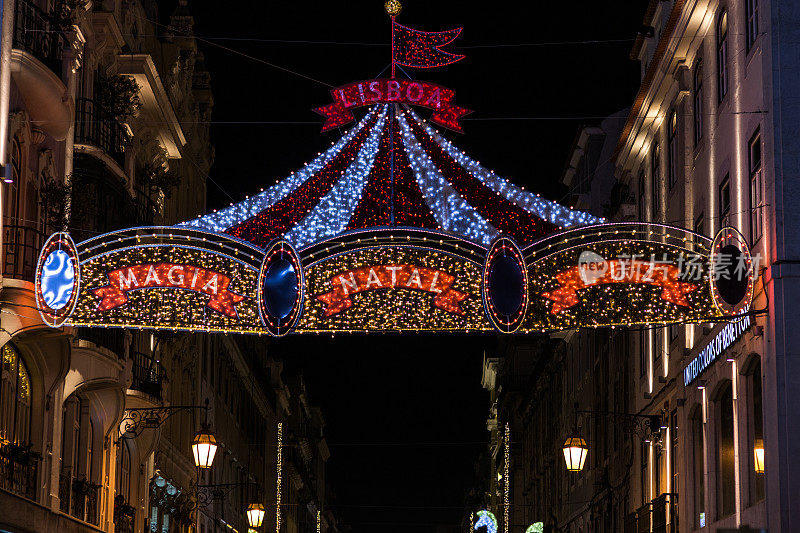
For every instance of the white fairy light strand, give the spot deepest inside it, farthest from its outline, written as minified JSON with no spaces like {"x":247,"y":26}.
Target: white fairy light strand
{"x":533,"y":203}
{"x":332,"y":213}
{"x":450,"y":209}
{"x":238,"y":213}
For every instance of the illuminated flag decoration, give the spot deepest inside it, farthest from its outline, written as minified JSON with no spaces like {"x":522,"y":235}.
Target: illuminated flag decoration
{"x":392,"y":169}
{"x":422,"y":49}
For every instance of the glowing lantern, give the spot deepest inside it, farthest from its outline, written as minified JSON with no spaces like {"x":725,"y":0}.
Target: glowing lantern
{"x":204,"y":447}
{"x":255,"y":514}
{"x":759,"y":456}
{"x":575,"y":450}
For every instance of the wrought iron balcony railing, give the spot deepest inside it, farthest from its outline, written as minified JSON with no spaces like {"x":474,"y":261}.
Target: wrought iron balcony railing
{"x":95,"y":126}
{"x":79,"y":497}
{"x":18,"y":470}
{"x":148,"y":375}
{"x":21,"y":246}
{"x":36,"y":33}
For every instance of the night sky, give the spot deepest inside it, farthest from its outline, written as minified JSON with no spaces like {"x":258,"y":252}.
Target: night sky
{"x":405,"y":414}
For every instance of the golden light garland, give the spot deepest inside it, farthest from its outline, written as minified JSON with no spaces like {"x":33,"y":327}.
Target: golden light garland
{"x":319,"y":523}
{"x":397,"y":308}
{"x":279,"y":468}
{"x":506,"y":491}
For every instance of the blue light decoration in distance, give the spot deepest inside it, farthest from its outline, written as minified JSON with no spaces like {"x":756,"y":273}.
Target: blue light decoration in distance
{"x":533,"y":203}
{"x":486,"y":519}
{"x":58,"y":279}
{"x":226,"y":218}
{"x":332,"y":214}
{"x":449,"y":208}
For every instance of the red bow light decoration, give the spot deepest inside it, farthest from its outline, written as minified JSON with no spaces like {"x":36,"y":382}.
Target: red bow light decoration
{"x":168,"y":276}
{"x":419,"y":278}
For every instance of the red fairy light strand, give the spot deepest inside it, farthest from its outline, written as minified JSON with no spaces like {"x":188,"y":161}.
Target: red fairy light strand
{"x":422,"y":49}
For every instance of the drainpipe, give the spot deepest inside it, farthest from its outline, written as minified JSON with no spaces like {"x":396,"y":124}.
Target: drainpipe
{"x":6,"y":42}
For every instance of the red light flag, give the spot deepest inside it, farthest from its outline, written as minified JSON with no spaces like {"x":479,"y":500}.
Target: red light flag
{"x":422,"y":49}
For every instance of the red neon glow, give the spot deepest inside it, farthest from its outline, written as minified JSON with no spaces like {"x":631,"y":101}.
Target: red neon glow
{"x":389,"y":91}
{"x":636,"y":272}
{"x":412,"y":277}
{"x":422,"y":49}
{"x":168,"y":276}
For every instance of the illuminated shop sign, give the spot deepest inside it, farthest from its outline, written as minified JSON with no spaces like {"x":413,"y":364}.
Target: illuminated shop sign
{"x":723,"y":340}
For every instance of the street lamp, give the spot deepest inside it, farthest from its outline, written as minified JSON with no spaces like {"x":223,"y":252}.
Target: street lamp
{"x":759,"y":456}
{"x":255,"y":515}
{"x":575,"y":451}
{"x":204,"y":447}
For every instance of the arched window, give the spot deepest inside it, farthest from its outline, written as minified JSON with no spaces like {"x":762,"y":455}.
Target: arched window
{"x":697,"y":83}
{"x":725,"y":453}
{"x":124,"y":471}
{"x":698,"y":467}
{"x":755,"y":436}
{"x":15,"y":398}
{"x":722,"y":55}
{"x":672,"y":147}
{"x":655,"y":171}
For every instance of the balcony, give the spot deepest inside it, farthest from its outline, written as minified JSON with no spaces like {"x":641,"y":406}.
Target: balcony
{"x":21,"y":246}
{"x":35,"y":33}
{"x":96,"y":127}
{"x":148,"y":375}
{"x":124,"y":515}
{"x":109,"y":338}
{"x":36,"y":67}
{"x":658,"y":516}
{"x":79,"y":498}
{"x":18,"y":470}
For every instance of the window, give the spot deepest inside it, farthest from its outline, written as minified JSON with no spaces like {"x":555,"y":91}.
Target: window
{"x":756,"y":188}
{"x":751,"y":23}
{"x":724,"y":200}
{"x":698,"y":468}
{"x":722,"y":55}
{"x":641,"y":198}
{"x":655,"y":170}
{"x":756,"y":417}
{"x":697,"y":82}
{"x":673,"y":455}
{"x":124,"y":473}
{"x":645,"y":451}
{"x":725,"y":453}
{"x":699,"y":224}
{"x":672,"y":148}
{"x":643,"y":345}
{"x":15,"y":398}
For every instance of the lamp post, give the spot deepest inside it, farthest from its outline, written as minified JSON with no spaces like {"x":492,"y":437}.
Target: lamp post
{"x":575,"y":448}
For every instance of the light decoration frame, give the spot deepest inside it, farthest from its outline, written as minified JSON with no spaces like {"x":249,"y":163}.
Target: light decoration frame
{"x":731,"y":236}
{"x":504,"y":323}
{"x":62,"y":244}
{"x":280,"y":326}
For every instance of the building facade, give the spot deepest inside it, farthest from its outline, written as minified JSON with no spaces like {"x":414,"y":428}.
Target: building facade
{"x":707,"y":143}
{"x":106,"y":114}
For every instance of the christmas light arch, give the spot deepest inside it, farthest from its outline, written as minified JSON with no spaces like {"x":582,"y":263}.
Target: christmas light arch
{"x":392,"y":228}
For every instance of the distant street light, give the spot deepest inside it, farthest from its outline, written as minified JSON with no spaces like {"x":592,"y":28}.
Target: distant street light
{"x":255,"y":515}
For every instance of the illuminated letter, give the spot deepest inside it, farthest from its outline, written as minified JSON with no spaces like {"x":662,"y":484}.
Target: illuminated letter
{"x":352,"y":284}
{"x":211,"y":283}
{"x":394,"y":270}
{"x":179,"y":281}
{"x":434,"y":99}
{"x":433,"y":283}
{"x":373,"y":279}
{"x":393,"y":91}
{"x":151,"y":274}
{"x":344,"y":99}
{"x":127,"y":282}
{"x":361,"y":92}
{"x":194,"y":278}
{"x":375,"y":89}
{"x":414,"y":279}
{"x":419,"y":90}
